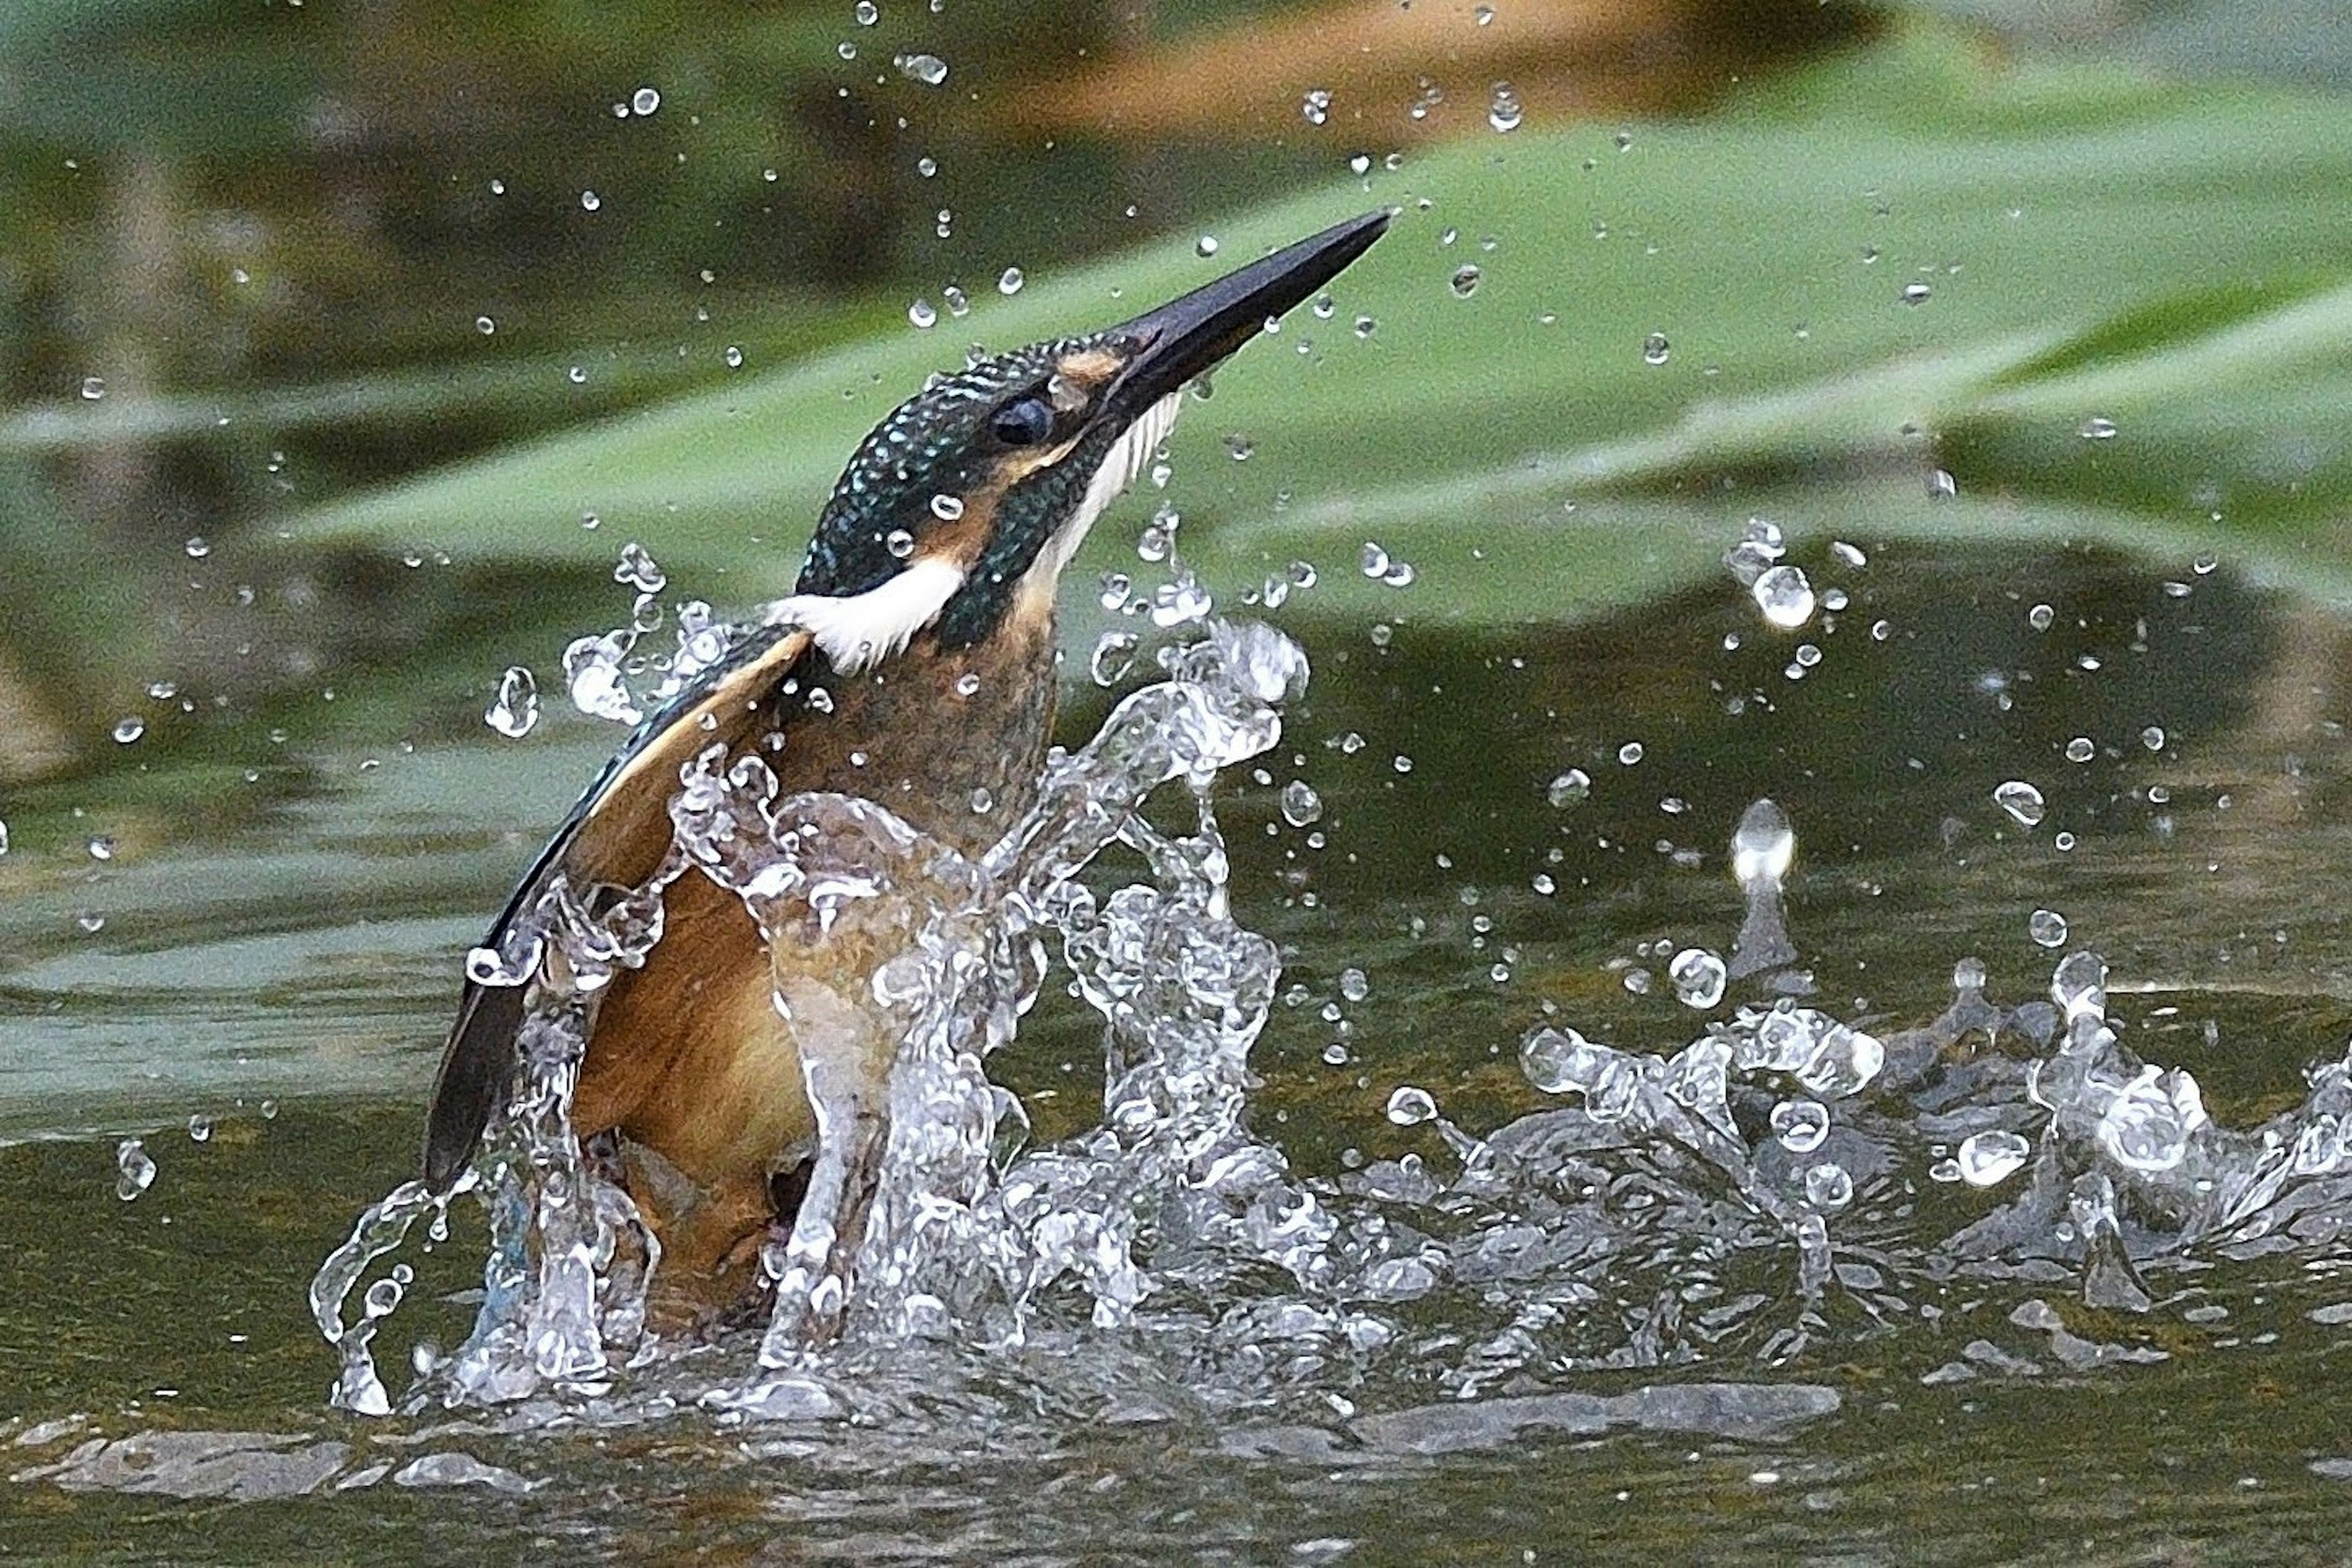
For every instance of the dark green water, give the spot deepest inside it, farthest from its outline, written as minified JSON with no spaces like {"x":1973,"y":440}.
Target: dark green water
{"x":278,"y":958}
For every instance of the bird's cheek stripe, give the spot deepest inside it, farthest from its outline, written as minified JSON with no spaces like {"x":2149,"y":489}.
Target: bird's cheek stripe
{"x":858,"y":631}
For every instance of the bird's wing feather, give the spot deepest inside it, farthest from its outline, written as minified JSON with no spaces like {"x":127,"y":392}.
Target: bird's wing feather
{"x":616,"y":833}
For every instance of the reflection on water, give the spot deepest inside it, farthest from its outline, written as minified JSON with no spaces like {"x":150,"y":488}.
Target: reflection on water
{"x":1782,"y":1144}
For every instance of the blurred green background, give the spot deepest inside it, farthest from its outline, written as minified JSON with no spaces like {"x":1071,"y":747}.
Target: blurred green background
{"x":328,"y":329}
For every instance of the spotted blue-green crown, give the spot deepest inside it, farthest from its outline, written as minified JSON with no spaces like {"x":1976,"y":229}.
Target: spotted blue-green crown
{"x":937,"y":443}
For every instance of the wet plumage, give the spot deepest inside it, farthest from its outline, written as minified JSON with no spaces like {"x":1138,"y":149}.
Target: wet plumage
{"x":914,"y":666}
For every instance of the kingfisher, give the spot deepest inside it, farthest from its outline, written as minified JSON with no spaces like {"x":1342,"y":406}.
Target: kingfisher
{"x":913,"y":665}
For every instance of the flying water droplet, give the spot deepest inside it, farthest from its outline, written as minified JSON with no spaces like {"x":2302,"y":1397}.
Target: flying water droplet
{"x":1697,"y":977}
{"x":1503,"y":111}
{"x":1114,"y":657}
{"x":134,"y":1169}
{"x":93,"y":388}
{"x":2047,"y":928}
{"x":1316,"y":105}
{"x":1010,"y":281}
{"x":1300,"y":804}
{"x":2098,"y":428}
{"x":1656,"y":350}
{"x":514,"y":710}
{"x":1410,"y":1106}
{"x":1987,"y":1159}
{"x":2021,"y":801}
{"x":1465,"y":281}
{"x":128,"y":729}
{"x":1373,"y":561}
{"x":929,"y":70}
{"x":1205,"y":246}
{"x":923,"y":314}
{"x":1568,"y":788}
{"x":1785,"y":596}
{"x":638,"y":569}
{"x":899,"y":543}
{"x":200,"y":1129}
{"x":1801,"y":1126}
{"x":947,"y":507}
{"x":645,"y":100}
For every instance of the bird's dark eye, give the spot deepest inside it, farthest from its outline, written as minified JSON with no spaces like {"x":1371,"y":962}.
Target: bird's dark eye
{"x":1024,"y":423}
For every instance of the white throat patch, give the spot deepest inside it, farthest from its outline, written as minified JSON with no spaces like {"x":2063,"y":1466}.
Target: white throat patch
{"x":858,"y":631}
{"x":1126,"y":459}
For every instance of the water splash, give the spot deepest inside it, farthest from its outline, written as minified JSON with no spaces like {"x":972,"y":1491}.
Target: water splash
{"x":1730,"y":1192}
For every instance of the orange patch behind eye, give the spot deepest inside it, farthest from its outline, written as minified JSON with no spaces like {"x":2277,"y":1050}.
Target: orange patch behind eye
{"x":960,"y":542}
{"x":1089,"y":367}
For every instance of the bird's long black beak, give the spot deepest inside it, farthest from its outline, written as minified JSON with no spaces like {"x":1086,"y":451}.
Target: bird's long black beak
{"x":1192,"y":334}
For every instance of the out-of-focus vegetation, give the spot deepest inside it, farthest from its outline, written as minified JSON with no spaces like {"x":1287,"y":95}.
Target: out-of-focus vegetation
{"x":434,"y":280}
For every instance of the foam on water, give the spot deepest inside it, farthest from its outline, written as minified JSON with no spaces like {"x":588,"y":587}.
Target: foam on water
{"x":1740,"y":1192}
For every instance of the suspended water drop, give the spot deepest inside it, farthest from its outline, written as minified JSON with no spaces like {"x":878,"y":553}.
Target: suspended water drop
{"x":1784,"y":596}
{"x":1205,"y":246}
{"x":1464,"y":282}
{"x":2153,"y":737}
{"x":1828,"y":1186}
{"x":128,"y":729}
{"x":2097,"y":428}
{"x":1629,"y":753}
{"x":100,"y":846}
{"x":867,"y":12}
{"x":1917,"y":293}
{"x":514,"y":710}
{"x":646,"y":100}
{"x":1316,"y":105}
{"x":1987,"y":1159}
{"x":589,"y":201}
{"x":922,"y":314}
{"x":947,"y":507}
{"x":2041,"y":617}
{"x":1239,"y":447}
{"x":638,"y":569}
{"x":200,"y":1129}
{"x":899,"y":543}
{"x":1763,"y":847}
{"x":484,"y":325}
{"x":1568,"y":788}
{"x":929,"y":70}
{"x":2047,"y":928}
{"x":93,"y":388}
{"x":134,"y":1169}
{"x":1410,"y":1106}
{"x":2021,"y":801}
{"x":1656,"y":350}
{"x":1010,"y":281}
{"x":1354,"y":983}
{"x":734,"y":357}
{"x":1697,"y":977}
{"x":1373,"y":561}
{"x":1801,"y":1126}
{"x":1300,"y":804}
{"x":1114,"y":657}
{"x":1503,"y":111}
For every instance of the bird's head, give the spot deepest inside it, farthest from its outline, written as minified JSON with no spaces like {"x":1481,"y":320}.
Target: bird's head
{"x":970,"y":498}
